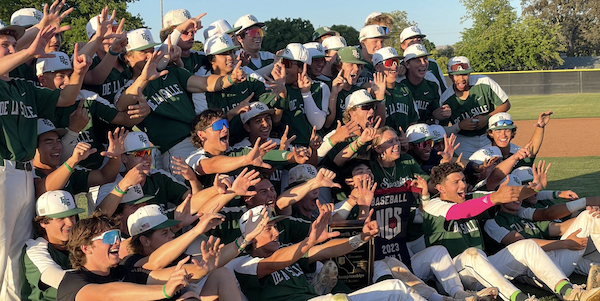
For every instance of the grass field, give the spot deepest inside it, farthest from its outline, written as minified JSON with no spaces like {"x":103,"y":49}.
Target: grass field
{"x":580,"y":174}
{"x":563,"y":106}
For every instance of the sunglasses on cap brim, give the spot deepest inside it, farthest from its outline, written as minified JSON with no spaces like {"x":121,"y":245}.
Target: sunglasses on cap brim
{"x":502,"y":123}
{"x":459,"y":67}
{"x":109,"y":237}
{"x":289,"y":63}
{"x":142,"y":153}
{"x":218,"y":125}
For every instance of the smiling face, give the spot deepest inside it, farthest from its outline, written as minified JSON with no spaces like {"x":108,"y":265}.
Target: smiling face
{"x":58,"y":229}
{"x":420,"y":151}
{"x":417,"y":67}
{"x":501,"y":137}
{"x":265,"y":195}
{"x":511,"y":207}
{"x":259,"y":126}
{"x":389,"y":72}
{"x":267,"y":242}
{"x":250,"y":43}
{"x":223,"y":63}
{"x":453,"y":188}
{"x":102,"y":256}
{"x":460,"y":81}
{"x":56,"y":80}
{"x":372,"y":45}
{"x":364,"y":116}
{"x":389,"y":148}
{"x":130,"y":161}
{"x":351,"y":72}
{"x":156,"y":240}
{"x":8,"y":45}
{"x":316,"y":66}
{"x":49,"y":148}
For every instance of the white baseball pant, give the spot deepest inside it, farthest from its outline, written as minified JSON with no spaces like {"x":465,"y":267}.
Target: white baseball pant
{"x":435,"y":263}
{"x":387,"y":290}
{"x":397,"y":269}
{"x":17,"y":209}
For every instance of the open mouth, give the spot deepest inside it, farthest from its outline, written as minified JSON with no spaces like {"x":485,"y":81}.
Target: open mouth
{"x":461,"y":194}
{"x":224,"y":139}
{"x":114,"y":251}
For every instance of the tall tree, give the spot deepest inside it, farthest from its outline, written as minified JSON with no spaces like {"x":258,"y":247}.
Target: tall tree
{"x":279,"y":33}
{"x":576,"y":21}
{"x":84,"y":10}
{"x":348,"y":32}
{"x":400,"y":22}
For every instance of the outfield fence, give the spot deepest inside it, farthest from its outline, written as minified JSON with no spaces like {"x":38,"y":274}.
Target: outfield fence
{"x":546,"y":82}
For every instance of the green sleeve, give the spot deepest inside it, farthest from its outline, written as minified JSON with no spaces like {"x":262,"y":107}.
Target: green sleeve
{"x":183,"y":75}
{"x":79,"y":181}
{"x":46,"y":101}
{"x":544,"y":227}
{"x":102,"y":110}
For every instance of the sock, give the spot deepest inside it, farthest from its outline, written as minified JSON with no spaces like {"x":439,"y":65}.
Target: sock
{"x":564,"y":288}
{"x":436,"y":297}
{"x":518,"y":296}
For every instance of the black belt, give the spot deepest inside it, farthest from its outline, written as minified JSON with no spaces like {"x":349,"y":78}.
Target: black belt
{"x":20,"y":165}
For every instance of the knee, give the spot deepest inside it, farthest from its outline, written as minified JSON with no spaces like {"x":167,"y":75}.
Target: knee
{"x":474,"y":252}
{"x":222,"y":274}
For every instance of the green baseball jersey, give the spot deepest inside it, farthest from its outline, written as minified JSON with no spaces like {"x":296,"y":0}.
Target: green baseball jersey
{"x":328,"y":162}
{"x":366,"y":74}
{"x":232,"y":96}
{"x":77,"y":183}
{"x":193,"y":63}
{"x":455,"y":235}
{"x":26,"y":72}
{"x":265,"y":58}
{"x":39,"y":257}
{"x":405,"y":169}
{"x":341,"y":105}
{"x":504,"y":223}
{"x":100,"y":111}
{"x":484,"y":96}
{"x":437,"y":72}
{"x":294,"y":113}
{"x":426,"y":95}
{"x":400,"y":110}
{"x":172,"y":108}
{"x":286,"y":284}
{"x":21,"y":104}
{"x":229,"y":230}
{"x":113,"y":82}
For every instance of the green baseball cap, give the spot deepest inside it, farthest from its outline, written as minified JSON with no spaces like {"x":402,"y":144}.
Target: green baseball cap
{"x":350,"y":55}
{"x":321,"y":31}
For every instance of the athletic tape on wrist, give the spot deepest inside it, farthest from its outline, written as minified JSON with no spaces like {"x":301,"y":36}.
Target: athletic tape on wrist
{"x":356,"y":241}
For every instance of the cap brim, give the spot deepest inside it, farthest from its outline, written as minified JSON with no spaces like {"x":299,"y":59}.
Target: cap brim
{"x":233,"y":30}
{"x":141,"y":149}
{"x":418,"y":36}
{"x":423,"y":139}
{"x":461,"y":72}
{"x":144,"y":47}
{"x":277,"y":219}
{"x":502,"y":127}
{"x":366,"y":102}
{"x":71,"y":212}
{"x":269,"y":111}
{"x":60,"y":131}
{"x":166,"y":224}
{"x":139,"y":201}
{"x":226,"y":49}
{"x":354,"y":62}
{"x":331,"y":32}
{"x":19,"y":29}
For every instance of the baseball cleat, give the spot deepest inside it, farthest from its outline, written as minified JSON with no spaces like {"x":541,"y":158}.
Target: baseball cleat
{"x":580,"y":294}
{"x":326,"y":279}
{"x":593,"y":280}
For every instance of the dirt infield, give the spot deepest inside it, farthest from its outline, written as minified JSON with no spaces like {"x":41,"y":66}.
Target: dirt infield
{"x":577,"y":137}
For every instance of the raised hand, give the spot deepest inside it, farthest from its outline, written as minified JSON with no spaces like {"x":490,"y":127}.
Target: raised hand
{"x":179,"y":167}
{"x":79,"y":119}
{"x":325,"y":178}
{"x":344,"y":132}
{"x":243,"y":106}
{"x":285,"y":141}
{"x":119,"y":38}
{"x":243,"y":57}
{"x":116,"y":143}
{"x":244,"y":181}
{"x":506,"y":194}
{"x":211,"y":251}
{"x":134,"y":176}
{"x":254,"y":157}
{"x":81,"y":62}
{"x":338,"y":83}
{"x":150,"y":73}
{"x":304,"y":82}
{"x":370,"y":228}
{"x":403,"y":139}
{"x":53,"y":16}
{"x":238,"y":75}
{"x":178,"y":279}
{"x":450,"y":146}
{"x":82,"y":151}
{"x":369,"y":133}
{"x":300,"y":154}
{"x":38,"y":46}
{"x":209,"y":221}
{"x":222,"y":183}
{"x":141,"y":109}
{"x":318,"y":229}
{"x":183,"y":213}
{"x":254,"y":228}
{"x":174,"y":52}
{"x":524,"y":152}
{"x":544,"y":119}
{"x":378,"y":85}
{"x":191,"y":24}
{"x":420,"y":182}
{"x":364,"y":190}
{"x":315,"y":140}
{"x":540,"y":176}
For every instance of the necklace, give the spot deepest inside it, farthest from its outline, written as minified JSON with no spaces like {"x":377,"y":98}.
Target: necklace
{"x":392,"y":176}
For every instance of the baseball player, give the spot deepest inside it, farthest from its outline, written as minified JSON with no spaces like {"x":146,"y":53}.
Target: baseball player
{"x":544,"y":198}
{"x":412,"y":35}
{"x":181,"y":27}
{"x":250,"y":36}
{"x":45,"y":259}
{"x":371,"y":39}
{"x":23,"y":104}
{"x":453,"y":221}
{"x":323,"y":33}
{"x":331,"y":45}
{"x":25,"y":17}
{"x":473,"y":99}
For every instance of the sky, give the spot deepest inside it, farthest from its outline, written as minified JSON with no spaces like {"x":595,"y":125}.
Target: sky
{"x":439,"y":20}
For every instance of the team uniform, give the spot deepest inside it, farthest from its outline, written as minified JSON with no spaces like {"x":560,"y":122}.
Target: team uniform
{"x":341,"y":105}
{"x":426,"y":95}
{"x":25,"y":72}
{"x":44,"y":267}
{"x":193,"y":63}
{"x":437,"y":72}
{"x":485,"y":95}
{"x":265,"y":58}
{"x":77,"y":182}
{"x":400,"y":109}
{"x":113,"y":82}
{"x":464,"y":242}
{"x":21,"y":104}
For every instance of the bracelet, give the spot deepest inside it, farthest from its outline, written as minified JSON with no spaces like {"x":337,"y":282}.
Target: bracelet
{"x":68,"y":167}
{"x":165,"y":292}
{"x":352,"y":148}
{"x":241,"y":246}
{"x":229,"y":79}
{"x":356,"y":241}
{"x":112,"y":52}
{"x":359,"y":143}
{"x":330,"y":143}
{"x":536,"y":191}
{"x":425,"y":199}
{"x":555,"y":194}
{"x":118,"y":189}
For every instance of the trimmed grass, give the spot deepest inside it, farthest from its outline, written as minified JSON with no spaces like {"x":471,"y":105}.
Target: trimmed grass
{"x":563,"y":105}
{"x":580,"y":174}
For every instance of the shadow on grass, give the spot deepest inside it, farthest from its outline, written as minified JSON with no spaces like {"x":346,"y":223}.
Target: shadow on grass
{"x":584,"y":185}
{"x":544,"y":295}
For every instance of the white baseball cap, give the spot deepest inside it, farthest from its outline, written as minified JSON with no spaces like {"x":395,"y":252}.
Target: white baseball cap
{"x":513,"y":180}
{"x":359,"y":97}
{"x":384,"y":54}
{"x":26,"y":17}
{"x":485,"y":153}
{"x":56,"y":204}
{"x":414,"y":51}
{"x":460,"y":64}
{"x":500,"y":121}
{"x":523,"y":173}
{"x":45,"y":125}
{"x":92,"y":25}
{"x":372,"y":31}
{"x":149,"y":217}
{"x":419,"y":132}
{"x":247,"y":21}
{"x":302,"y":173}
{"x":219,"y":43}
{"x":256,"y":108}
{"x":372,"y":15}
{"x":219,"y":26}
{"x":135,"y":195}
{"x":20,"y":30}
{"x":137,"y":141}
{"x":334,"y":43}
{"x":296,"y":52}
{"x":59,"y":62}
{"x":315,"y":50}
{"x":140,"y":39}
{"x":410,"y":32}
{"x":437,"y":131}
{"x":255,"y":215}
{"x":176,"y":17}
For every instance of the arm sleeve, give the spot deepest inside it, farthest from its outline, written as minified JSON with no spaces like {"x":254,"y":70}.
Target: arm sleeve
{"x":545,"y":195}
{"x":469,"y":208}
{"x":51,"y":272}
{"x":494,"y":230}
{"x":68,"y":141}
{"x":326,"y":93}
{"x":325,"y":146}
{"x":526,"y":213}
{"x":315,"y":116}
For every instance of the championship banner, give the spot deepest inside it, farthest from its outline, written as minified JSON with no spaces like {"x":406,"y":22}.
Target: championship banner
{"x":355,"y":269}
{"x":391,"y":211}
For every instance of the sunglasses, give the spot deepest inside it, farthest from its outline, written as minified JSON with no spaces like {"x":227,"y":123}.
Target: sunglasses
{"x":142,"y":153}
{"x":368,"y":106}
{"x":391,"y":62}
{"x":109,"y":237}
{"x":425,"y":144}
{"x":502,"y":123}
{"x":462,"y":66}
{"x":386,"y":30}
{"x":218,"y":125}
{"x":289,"y":63}
{"x":254,"y":32}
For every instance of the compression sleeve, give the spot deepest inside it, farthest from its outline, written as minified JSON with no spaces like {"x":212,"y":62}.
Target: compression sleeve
{"x":469,"y":208}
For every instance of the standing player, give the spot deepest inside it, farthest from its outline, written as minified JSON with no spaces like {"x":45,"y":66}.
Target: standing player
{"x":181,"y":27}
{"x":371,"y":39}
{"x":250,"y":36}
{"x":412,"y":35}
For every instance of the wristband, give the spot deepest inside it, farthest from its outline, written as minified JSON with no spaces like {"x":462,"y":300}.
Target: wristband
{"x":555,"y":194}
{"x":359,"y":143}
{"x":242,"y":245}
{"x":536,"y":191}
{"x":425,"y":199}
{"x":352,"y":148}
{"x":118,"y":189}
{"x":68,"y":167}
{"x":112,"y":52}
{"x":355,"y":241}
{"x":165,"y":292}
{"x":576,"y":205}
{"x":229,"y":79}
{"x":344,"y":211}
{"x":330,"y":143}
